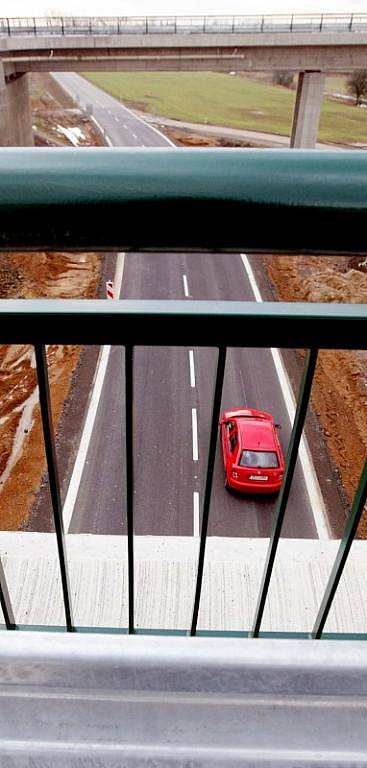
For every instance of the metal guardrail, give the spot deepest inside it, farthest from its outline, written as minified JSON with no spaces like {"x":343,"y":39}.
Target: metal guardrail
{"x":147,"y":25}
{"x":306,"y":201}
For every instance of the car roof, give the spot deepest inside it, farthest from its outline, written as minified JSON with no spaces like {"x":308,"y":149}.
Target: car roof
{"x":256,"y":434}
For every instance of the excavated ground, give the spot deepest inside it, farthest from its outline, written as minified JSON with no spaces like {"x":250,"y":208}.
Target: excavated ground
{"x":339,"y":393}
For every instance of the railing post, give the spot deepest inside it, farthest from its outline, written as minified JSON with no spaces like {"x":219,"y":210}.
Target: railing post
{"x":34,"y":26}
{"x":62,"y":25}
{"x":343,"y":552}
{"x":208,"y":483}
{"x":9,"y":33}
{"x":321,"y":22}
{"x":5,"y":601}
{"x":292,"y":454}
{"x":50,"y":450}
{"x":291,"y":27}
{"x":129,"y":359}
{"x":351,"y":22}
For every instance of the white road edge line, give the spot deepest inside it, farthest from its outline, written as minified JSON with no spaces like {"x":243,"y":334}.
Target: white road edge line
{"x":185,"y":285}
{"x":195,"y":445}
{"x":311,"y":481}
{"x":192,"y":368}
{"x":72,"y":492}
{"x":196,"y":509}
{"x":147,"y":125}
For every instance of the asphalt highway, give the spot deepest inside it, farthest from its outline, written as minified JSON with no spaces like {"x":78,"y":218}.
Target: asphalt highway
{"x":173,"y":394}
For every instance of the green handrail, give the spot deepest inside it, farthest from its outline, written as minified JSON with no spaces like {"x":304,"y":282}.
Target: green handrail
{"x":199,"y":200}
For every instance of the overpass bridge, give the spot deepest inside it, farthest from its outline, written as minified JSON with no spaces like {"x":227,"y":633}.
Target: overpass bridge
{"x":310,"y":45}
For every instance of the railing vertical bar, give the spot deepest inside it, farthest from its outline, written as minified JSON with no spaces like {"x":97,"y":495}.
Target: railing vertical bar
{"x":342,"y":554}
{"x":53,"y":478}
{"x":292,"y":453}
{"x":129,"y":359}
{"x":208,"y":482}
{"x":5,"y":601}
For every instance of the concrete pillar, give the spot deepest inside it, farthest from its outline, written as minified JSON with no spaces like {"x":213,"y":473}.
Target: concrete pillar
{"x":307,"y":109}
{"x":15,"y":112}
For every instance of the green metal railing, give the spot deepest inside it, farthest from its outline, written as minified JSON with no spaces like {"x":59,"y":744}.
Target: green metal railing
{"x":148,"y":25}
{"x":267,"y":201}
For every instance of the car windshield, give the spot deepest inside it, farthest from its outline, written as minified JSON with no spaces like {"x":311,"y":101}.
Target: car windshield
{"x":259,"y":459}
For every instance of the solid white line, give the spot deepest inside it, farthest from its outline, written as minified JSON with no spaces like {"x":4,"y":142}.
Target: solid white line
{"x":195,"y":445}
{"x":185,"y":284}
{"x":192,"y":368}
{"x":74,"y":484}
{"x":196,"y":509}
{"x":308,"y":469}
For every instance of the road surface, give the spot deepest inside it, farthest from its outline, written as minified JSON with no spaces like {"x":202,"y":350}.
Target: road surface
{"x":173,"y":394}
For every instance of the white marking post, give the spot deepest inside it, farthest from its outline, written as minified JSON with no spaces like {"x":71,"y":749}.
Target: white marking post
{"x":109,"y":289}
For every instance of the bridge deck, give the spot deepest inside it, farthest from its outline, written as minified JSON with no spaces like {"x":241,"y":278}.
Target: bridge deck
{"x":165,"y":570}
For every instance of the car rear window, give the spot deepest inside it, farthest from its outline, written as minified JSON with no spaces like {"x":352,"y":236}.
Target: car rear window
{"x":260,"y":459}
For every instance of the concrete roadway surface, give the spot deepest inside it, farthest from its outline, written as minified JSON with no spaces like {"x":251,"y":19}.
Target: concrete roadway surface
{"x":173,"y":395}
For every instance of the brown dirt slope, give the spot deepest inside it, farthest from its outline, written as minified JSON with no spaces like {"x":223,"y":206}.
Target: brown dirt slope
{"x":340,"y":388}
{"x":40,"y":275}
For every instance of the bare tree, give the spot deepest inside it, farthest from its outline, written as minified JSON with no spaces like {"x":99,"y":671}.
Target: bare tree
{"x":357,"y":85}
{"x":283,"y":78}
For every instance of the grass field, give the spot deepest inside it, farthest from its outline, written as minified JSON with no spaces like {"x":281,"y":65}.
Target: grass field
{"x":234,"y":101}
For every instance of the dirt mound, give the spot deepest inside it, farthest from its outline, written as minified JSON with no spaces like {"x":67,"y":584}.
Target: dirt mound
{"x":22,"y":458}
{"x":340,"y":387}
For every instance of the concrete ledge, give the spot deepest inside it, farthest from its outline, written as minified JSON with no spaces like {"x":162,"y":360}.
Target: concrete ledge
{"x":165,"y":572}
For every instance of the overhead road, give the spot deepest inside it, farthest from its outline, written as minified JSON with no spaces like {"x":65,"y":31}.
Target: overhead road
{"x":112,"y":25}
{"x":310,"y":45}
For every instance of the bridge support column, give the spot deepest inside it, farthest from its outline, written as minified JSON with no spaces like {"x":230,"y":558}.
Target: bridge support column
{"x":307,"y":109}
{"x":15,"y":113}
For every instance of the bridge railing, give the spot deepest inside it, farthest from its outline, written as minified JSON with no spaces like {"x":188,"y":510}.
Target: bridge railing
{"x":184,"y":200}
{"x":116,"y":25}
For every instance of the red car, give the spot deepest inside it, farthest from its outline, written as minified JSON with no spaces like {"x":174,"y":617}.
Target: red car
{"x":252,"y":456}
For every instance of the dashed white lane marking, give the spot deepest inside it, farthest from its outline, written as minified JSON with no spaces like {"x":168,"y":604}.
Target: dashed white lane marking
{"x":192,"y":368}
{"x":185,"y":285}
{"x":195,"y":445}
{"x":196,"y":509}
{"x":74,"y":484}
{"x":125,"y":126}
{"x":117,"y":119}
{"x":310,"y":478}
{"x":135,"y":136}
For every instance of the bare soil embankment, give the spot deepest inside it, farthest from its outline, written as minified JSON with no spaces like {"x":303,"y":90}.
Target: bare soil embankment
{"x":40,"y":275}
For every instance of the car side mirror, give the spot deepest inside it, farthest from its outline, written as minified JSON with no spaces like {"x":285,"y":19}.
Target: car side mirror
{"x":278,"y":426}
